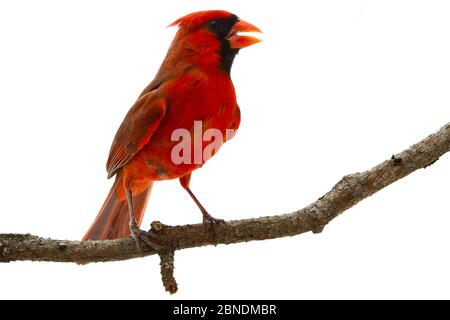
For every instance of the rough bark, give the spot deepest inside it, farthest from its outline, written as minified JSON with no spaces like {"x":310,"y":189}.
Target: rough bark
{"x":344,"y":195}
{"x":167,"y":269}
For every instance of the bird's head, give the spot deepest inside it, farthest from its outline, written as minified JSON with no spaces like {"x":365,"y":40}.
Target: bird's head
{"x":214,"y":36}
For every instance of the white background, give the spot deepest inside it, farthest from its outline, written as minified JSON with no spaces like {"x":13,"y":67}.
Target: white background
{"x":336,"y":87}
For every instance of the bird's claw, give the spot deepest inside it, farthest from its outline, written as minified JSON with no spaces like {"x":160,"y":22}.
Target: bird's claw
{"x":212,"y":220}
{"x":145,"y":239}
{"x":209,"y":220}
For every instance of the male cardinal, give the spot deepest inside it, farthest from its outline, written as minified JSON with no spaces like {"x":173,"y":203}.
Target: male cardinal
{"x":192,"y":85}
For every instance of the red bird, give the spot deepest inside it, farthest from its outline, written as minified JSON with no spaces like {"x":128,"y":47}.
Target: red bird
{"x":192,"y":86}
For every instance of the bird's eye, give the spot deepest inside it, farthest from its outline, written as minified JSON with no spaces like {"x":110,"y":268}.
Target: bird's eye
{"x":215,"y":25}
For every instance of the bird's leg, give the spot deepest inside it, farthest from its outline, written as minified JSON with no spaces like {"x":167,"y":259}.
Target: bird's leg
{"x":142,"y":238}
{"x":207,"y":218}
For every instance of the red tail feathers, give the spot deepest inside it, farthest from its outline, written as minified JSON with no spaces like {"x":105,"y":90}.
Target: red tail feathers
{"x":113,"y":220}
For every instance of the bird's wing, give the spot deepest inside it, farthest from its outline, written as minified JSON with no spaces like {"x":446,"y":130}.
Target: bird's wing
{"x":136,"y":130}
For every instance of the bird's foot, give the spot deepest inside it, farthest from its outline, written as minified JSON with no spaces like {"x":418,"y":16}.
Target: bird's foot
{"x":146,"y":239}
{"x":209,"y":220}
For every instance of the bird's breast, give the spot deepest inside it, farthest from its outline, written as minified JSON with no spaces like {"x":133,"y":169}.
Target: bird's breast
{"x":200,"y":112}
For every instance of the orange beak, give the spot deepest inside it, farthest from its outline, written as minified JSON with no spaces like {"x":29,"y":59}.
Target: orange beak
{"x":239,"y":42}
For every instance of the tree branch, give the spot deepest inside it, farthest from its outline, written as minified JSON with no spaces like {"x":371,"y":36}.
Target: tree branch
{"x":344,"y":195}
{"x":167,"y":268}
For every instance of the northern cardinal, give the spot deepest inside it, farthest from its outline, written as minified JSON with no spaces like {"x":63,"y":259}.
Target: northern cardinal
{"x":192,"y":86}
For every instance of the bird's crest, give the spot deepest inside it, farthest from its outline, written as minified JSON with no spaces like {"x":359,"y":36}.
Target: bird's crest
{"x":198,"y":18}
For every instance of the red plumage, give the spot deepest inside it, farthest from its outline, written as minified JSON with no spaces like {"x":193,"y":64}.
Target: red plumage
{"x":192,"y":84}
